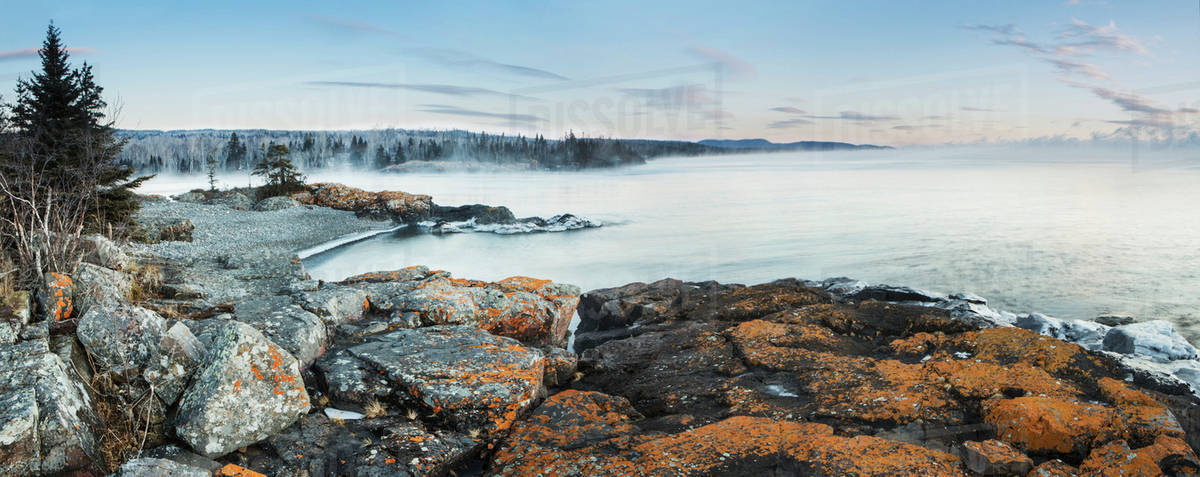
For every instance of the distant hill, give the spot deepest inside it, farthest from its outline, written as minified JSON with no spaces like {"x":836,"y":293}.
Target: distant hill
{"x":765,"y":145}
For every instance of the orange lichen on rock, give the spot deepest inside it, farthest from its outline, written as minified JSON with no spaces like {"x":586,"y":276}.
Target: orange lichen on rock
{"x":56,"y":298}
{"x":234,"y":470}
{"x":1145,"y":417}
{"x":980,"y":379}
{"x":384,"y":203}
{"x":917,"y":344}
{"x":1053,"y":425}
{"x":1011,"y":345}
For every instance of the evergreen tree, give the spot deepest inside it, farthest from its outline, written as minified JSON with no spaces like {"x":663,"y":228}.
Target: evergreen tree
{"x":281,"y":175}
{"x":60,"y":110}
{"x":382,"y":159}
{"x":212,"y":170}
{"x":235,"y":152}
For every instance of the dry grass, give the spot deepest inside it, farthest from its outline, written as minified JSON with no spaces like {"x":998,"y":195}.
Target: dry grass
{"x":474,"y":433}
{"x":374,"y":409}
{"x":145,"y":278}
{"x":125,"y":422}
{"x":412,"y":414}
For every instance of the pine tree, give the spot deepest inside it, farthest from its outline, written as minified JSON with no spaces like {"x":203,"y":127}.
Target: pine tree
{"x":235,"y":152}
{"x":382,"y":159}
{"x":61,"y":111}
{"x":212,"y":170}
{"x":281,"y":175}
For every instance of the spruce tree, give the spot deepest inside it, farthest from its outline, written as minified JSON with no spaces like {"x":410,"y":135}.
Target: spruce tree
{"x":60,"y":111}
{"x":280,"y":173}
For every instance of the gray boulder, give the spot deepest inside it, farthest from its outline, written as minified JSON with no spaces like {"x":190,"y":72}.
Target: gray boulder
{"x":46,"y":418}
{"x":471,"y":378}
{"x":153,"y":467}
{"x":1111,"y":319}
{"x":247,"y":389}
{"x":335,"y":304}
{"x":121,"y":340}
{"x":98,"y":286}
{"x":189,"y":197}
{"x":1153,"y":339}
{"x":178,"y":355}
{"x":298,"y":331}
{"x":234,"y":200}
{"x":99,"y":250}
{"x":275,"y":203}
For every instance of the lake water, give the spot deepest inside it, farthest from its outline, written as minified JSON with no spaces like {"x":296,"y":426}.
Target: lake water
{"x":1067,"y":232}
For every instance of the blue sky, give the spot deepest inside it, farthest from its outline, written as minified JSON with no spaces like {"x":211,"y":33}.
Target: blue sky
{"x":870,"y":72}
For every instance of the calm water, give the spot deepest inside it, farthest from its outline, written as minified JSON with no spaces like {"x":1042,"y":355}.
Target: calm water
{"x":1067,"y":232}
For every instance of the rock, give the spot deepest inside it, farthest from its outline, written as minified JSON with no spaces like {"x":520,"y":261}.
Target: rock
{"x":232,"y":199}
{"x":99,"y":250}
{"x":482,"y":214}
{"x":121,"y":340}
{"x":193,"y":197}
{"x":177,"y":356}
{"x":1114,"y":320}
{"x":378,"y":205}
{"x":46,"y":418}
{"x":1038,"y":424}
{"x":587,"y":433}
{"x":470,"y":378}
{"x":296,"y":330}
{"x":969,"y":298}
{"x":1054,"y":468}
{"x":1041,"y":324}
{"x":992,"y":457}
{"x":315,"y":445}
{"x":335,"y":304}
{"x":166,"y":230}
{"x":1156,"y":339}
{"x":537,"y":312}
{"x":275,"y":203}
{"x":896,"y":294}
{"x":1167,"y":456}
{"x":176,"y":454}
{"x":54,"y":296}
{"x":97,"y":286}
{"x":152,"y":467}
{"x":560,"y":367}
{"x":243,"y":375}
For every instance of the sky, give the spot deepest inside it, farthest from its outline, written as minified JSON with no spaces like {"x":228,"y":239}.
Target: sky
{"x":894,"y":73}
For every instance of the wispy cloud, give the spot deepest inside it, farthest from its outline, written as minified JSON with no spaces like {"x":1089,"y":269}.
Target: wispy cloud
{"x":1021,"y":42}
{"x":789,"y":109}
{"x":1075,"y":67}
{"x":1081,"y":35}
{"x":25,"y":53}
{"x":914,"y":127}
{"x":447,"y":89}
{"x":857,"y":116}
{"x":352,"y":26}
{"x":737,"y":68}
{"x":1130,"y":101}
{"x":457,"y":111}
{"x":464,"y":60}
{"x":979,"y":110}
{"x":1005,"y":29}
{"x":789,"y":123}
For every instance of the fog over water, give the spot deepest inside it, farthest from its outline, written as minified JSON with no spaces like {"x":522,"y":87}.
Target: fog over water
{"x":1070,"y":232}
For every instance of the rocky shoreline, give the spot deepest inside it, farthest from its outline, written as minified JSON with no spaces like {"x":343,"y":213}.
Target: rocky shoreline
{"x":243,"y":365}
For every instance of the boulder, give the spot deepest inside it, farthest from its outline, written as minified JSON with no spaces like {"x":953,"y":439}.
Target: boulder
{"x":99,"y":250}
{"x":1154,"y":339}
{"x":46,"y":418}
{"x":243,"y":375}
{"x":1110,"y":319}
{"x":896,"y":294}
{"x":1167,"y":456}
{"x":54,"y":297}
{"x":537,"y":312}
{"x":335,"y":304}
{"x":992,"y":457}
{"x":177,"y":356}
{"x":474,"y":380}
{"x":153,"y":467}
{"x":96,"y":286}
{"x":121,"y":340}
{"x":192,"y":197}
{"x":275,"y":203}
{"x":1038,"y":424}
{"x":481,"y":214}
{"x":296,"y":330}
{"x":233,"y":200}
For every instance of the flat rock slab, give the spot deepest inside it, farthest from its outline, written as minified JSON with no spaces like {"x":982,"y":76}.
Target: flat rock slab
{"x":247,"y":389}
{"x":473,"y":380}
{"x":295,"y":329}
